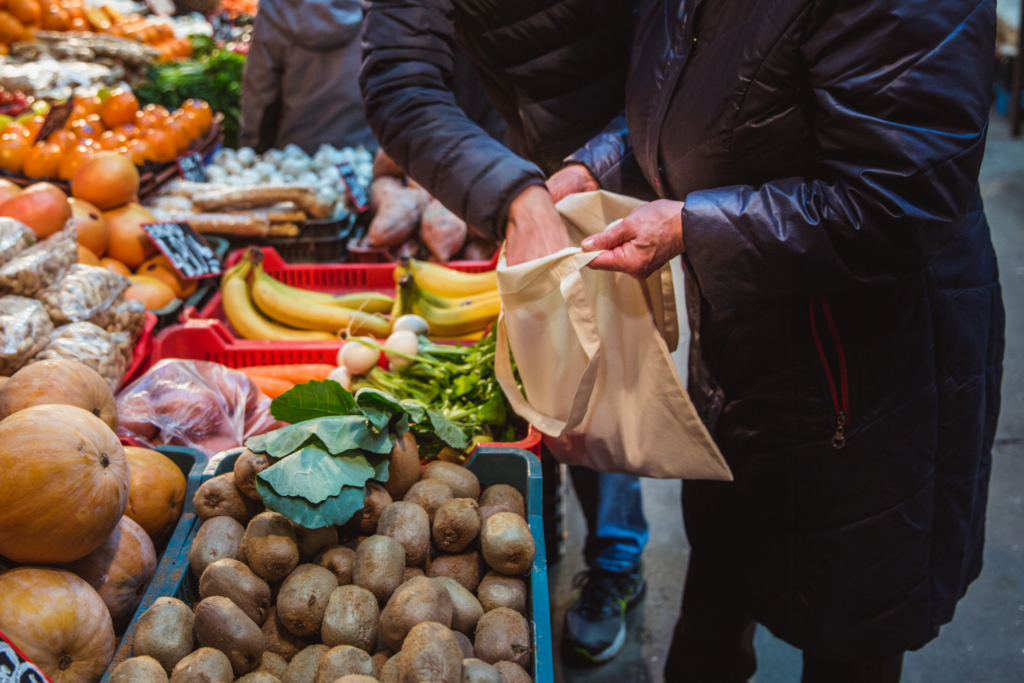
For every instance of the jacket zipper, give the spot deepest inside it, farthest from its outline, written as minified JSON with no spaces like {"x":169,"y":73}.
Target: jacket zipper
{"x":840,"y":398}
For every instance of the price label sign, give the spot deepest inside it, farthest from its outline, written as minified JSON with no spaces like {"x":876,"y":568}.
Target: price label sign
{"x":354,"y":188}
{"x":55,"y":120}
{"x":186,"y":249}
{"x":192,"y":167}
{"x":16,"y":667}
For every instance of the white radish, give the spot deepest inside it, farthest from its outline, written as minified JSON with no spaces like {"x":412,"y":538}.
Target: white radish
{"x":411,"y":322}
{"x":342,"y":376}
{"x":403,"y":341}
{"x":358,"y":358}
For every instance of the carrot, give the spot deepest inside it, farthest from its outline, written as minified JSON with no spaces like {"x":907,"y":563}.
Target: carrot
{"x":295,"y":373}
{"x":270,"y":386}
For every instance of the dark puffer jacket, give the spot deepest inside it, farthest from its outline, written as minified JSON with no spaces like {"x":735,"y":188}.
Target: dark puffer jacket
{"x":848,"y":321}
{"x":554,"y":69}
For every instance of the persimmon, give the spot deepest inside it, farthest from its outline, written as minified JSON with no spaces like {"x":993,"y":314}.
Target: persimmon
{"x":74,"y":158}
{"x":163,"y":147}
{"x":119,"y":109}
{"x":13,"y":151}
{"x":43,"y":160}
{"x":64,"y":138}
{"x":203,"y":112}
{"x":34,"y":125}
{"x":129,"y":130}
{"x":177,"y":131}
{"x":11,"y":28}
{"x":55,"y":18}
{"x":83,"y":128}
{"x":111,"y":140}
{"x":27,"y":11}
{"x":19,"y":130}
{"x":158,"y":113}
{"x":139,"y":151}
{"x":91,"y":105}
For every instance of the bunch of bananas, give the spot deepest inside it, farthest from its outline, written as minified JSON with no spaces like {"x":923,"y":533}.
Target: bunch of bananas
{"x":260,"y":307}
{"x":456,"y":305}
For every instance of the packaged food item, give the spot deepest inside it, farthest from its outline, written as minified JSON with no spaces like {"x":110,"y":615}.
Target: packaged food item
{"x":125,"y":344}
{"x":442,"y":231}
{"x":90,"y":345}
{"x":40,"y":265}
{"x":25,"y":329}
{"x":193,"y":403}
{"x":15,"y":237}
{"x":127,"y":316}
{"x":85,"y":293}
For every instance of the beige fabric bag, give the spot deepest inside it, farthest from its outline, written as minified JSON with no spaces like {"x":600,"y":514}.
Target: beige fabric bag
{"x":601,"y":384}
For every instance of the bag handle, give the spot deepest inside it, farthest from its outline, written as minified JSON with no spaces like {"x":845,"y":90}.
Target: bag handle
{"x":584,"y":322}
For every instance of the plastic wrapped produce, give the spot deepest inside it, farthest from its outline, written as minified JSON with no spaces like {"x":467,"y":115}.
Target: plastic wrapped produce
{"x":90,"y":345}
{"x":40,"y":265}
{"x":442,"y":231}
{"x":127,"y":316}
{"x":15,"y":237}
{"x":193,"y":403}
{"x":125,"y":344}
{"x":85,"y":293}
{"x":25,"y":330}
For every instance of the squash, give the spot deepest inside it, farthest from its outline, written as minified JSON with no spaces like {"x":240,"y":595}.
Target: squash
{"x":157,"y":494}
{"x":63,"y":482}
{"x":62,"y":381}
{"x":120,"y":570}
{"x":58,"y":621}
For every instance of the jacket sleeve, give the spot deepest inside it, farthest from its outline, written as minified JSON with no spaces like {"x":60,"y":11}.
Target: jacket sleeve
{"x":898,"y":113}
{"x":261,"y":86}
{"x":609,"y":158}
{"x":406,"y":78}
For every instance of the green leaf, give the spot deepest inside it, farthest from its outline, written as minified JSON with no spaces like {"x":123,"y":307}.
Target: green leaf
{"x":446,"y":429}
{"x":311,"y":400}
{"x":334,"y":510}
{"x":493,"y":412}
{"x":380,"y":467}
{"x":377,"y":406}
{"x":314,"y":474}
{"x":336,"y":434}
{"x":464,"y":384}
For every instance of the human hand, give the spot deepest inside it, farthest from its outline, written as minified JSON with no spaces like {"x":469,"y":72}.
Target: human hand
{"x":534,"y":227}
{"x":570,"y":180}
{"x":643,"y":242}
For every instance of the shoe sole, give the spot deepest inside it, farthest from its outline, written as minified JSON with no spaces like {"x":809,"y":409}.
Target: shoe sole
{"x":609,"y":652}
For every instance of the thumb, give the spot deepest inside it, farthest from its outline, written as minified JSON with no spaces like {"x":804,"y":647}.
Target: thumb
{"x":615,"y":234}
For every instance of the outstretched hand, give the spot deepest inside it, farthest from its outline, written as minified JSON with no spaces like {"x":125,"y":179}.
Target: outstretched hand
{"x":535,"y":229}
{"x":642,"y":242}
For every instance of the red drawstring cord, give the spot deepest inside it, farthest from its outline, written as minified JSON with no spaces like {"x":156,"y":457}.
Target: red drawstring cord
{"x":842,"y":409}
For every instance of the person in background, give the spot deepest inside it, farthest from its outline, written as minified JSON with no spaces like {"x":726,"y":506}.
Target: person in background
{"x":301,"y":77}
{"x":555,"y":71}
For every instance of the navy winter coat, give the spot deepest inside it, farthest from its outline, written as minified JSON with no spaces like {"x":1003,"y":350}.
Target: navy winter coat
{"x":845,"y":300}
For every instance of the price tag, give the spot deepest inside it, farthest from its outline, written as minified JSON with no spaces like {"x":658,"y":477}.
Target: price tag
{"x":192,"y":167}
{"x":353,"y":188}
{"x":186,"y":249}
{"x":16,"y":667}
{"x":55,"y":120}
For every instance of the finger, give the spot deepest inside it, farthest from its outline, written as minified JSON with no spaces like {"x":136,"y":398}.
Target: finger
{"x":616,"y":234}
{"x":620,"y":260}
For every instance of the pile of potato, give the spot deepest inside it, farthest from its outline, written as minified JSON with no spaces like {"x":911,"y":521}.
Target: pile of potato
{"x":405,"y":598}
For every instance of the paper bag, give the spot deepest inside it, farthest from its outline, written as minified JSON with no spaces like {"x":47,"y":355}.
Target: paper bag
{"x":599,"y":381}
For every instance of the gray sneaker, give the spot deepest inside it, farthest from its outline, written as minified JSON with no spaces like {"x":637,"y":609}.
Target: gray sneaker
{"x":595,"y":625}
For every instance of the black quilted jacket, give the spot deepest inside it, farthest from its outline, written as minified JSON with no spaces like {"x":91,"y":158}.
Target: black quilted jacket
{"x":845,"y":299}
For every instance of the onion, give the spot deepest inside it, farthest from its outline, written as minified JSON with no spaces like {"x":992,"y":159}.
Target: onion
{"x":342,"y":376}
{"x":403,"y":341}
{"x":358,"y":358}
{"x":413,"y":323}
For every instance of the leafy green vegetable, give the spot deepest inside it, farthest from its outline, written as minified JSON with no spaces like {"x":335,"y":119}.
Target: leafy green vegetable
{"x":336,"y":434}
{"x":334,"y":510}
{"x":315,"y":475}
{"x":312,"y":400}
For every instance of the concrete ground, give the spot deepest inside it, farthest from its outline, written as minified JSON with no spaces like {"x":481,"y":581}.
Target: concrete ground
{"x":985,"y":642}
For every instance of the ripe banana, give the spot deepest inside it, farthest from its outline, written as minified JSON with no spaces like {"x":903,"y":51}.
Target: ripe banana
{"x":450,"y":283}
{"x":247,"y":321}
{"x":455,"y":322}
{"x":445,"y":302}
{"x":368,"y":302}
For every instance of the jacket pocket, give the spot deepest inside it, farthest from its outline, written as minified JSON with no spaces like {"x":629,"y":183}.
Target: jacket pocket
{"x":840,"y":391}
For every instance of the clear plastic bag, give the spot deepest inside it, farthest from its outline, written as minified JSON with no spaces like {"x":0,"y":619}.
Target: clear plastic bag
{"x":25,"y":330}
{"x":15,"y":237}
{"x":127,"y":315}
{"x":193,"y":403}
{"x":86,"y":293}
{"x":89,"y":345}
{"x":40,"y":265}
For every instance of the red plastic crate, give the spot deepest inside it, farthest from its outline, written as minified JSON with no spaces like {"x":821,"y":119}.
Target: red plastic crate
{"x":140,"y":355}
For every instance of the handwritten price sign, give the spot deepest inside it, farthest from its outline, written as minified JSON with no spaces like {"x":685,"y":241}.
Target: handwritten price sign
{"x":186,"y":249}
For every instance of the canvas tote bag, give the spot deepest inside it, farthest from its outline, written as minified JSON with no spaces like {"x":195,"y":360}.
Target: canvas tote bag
{"x":599,"y":381}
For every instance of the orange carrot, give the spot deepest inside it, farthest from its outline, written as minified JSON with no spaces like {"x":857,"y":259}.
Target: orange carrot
{"x":295,"y":373}
{"x":270,"y":386}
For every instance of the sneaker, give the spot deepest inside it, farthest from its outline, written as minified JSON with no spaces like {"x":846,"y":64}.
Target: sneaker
{"x":595,"y":625}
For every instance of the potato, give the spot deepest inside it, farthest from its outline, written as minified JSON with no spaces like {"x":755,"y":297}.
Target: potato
{"x":466,"y":609}
{"x":139,"y":670}
{"x":456,"y":525}
{"x":429,"y":494}
{"x":303,"y":598}
{"x":342,"y":661}
{"x":258,"y":677}
{"x":461,"y":481}
{"x":304,"y":666}
{"x":404,"y":468}
{"x":503,"y":494}
{"x":273,"y":664}
{"x":218,"y":538}
{"x":247,"y":466}
{"x":464,"y":568}
{"x":431,"y":653}
{"x":489,"y":511}
{"x":513,"y":673}
{"x":391,"y":673}
{"x":479,"y":671}
{"x":278,"y":639}
{"x":270,"y":546}
{"x":408,"y":524}
{"x":379,"y":660}
{"x":351,"y":618}
{"x":222,"y":625}
{"x":164,"y":632}
{"x":497,"y":590}
{"x":377,"y":500}
{"x":419,"y":600}
{"x":466,"y":644}
{"x":379,"y":567}
{"x":219,"y":497}
{"x":412,"y":572}
{"x":205,"y":665}
{"x":312,"y":541}
{"x":502,"y":635}
{"x":236,"y":582}
{"x":507,"y":544}
{"x":338,"y":560}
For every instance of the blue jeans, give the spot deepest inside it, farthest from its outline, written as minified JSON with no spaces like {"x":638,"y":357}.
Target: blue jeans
{"x":616,"y":528}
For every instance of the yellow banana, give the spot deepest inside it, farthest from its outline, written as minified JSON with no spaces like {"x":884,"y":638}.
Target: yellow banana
{"x":247,"y":321}
{"x":455,"y":322}
{"x":445,"y":302}
{"x":450,"y":283}
{"x":368,"y":302}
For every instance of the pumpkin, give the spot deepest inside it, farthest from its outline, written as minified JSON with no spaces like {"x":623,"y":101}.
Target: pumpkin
{"x":120,"y":570}
{"x":60,"y":381}
{"x":157,"y":494}
{"x":58,"y":621}
{"x":63,"y":482}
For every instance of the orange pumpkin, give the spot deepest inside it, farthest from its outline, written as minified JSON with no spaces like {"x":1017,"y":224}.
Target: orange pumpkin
{"x":58,"y":621}
{"x":63,"y":481}
{"x":120,"y":570}
{"x":157,"y":494}
{"x":59,"y":382}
